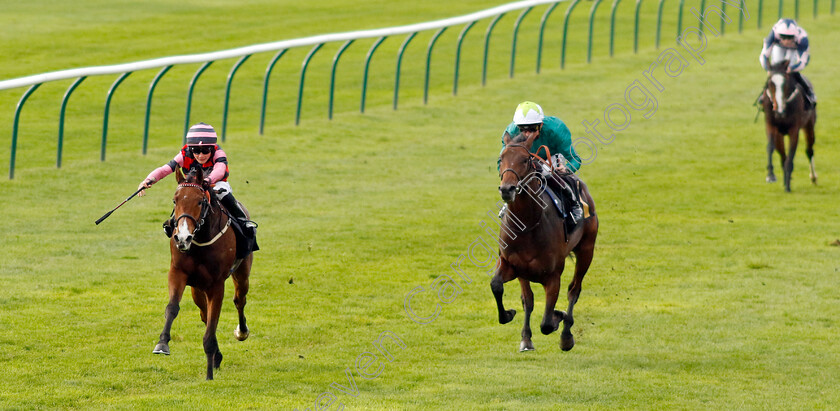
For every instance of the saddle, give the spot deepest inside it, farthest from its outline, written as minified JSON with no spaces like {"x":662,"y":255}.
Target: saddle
{"x":566,"y":183}
{"x":245,"y":244}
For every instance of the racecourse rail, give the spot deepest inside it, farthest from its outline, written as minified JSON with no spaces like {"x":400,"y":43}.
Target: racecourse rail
{"x":316,"y":43}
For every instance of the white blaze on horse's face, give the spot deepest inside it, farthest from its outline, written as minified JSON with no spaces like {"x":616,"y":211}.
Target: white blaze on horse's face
{"x":779,"y":81}
{"x":183,"y":234}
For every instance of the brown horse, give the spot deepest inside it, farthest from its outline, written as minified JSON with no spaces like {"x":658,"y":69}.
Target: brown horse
{"x":785,"y":113}
{"x":203,"y":248}
{"x":533,"y":245}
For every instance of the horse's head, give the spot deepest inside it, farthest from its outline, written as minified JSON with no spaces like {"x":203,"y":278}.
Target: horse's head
{"x":192,"y":203}
{"x":515,"y":164}
{"x":780,"y":89}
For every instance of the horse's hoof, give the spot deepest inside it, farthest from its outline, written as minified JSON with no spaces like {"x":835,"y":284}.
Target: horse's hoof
{"x":567,"y":342}
{"x":814,"y":180}
{"x":526,"y":345}
{"x":161,"y":348}
{"x":771,"y":179}
{"x":507,"y":316}
{"x":241,"y":336}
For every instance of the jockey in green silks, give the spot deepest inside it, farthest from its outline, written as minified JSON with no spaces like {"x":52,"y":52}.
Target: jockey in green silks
{"x":553,"y":134}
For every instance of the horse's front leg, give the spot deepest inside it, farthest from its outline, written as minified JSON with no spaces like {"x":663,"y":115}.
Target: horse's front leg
{"x":215,"y":296}
{"x":794,"y":141}
{"x":551,"y":318}
{"x":528,"y":306}
{"x":771,"y":145}
{"x":177,"y":283}
{"x":504,"y":273}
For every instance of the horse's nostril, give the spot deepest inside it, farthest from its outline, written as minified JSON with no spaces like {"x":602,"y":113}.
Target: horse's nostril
{"x":189,"y":238}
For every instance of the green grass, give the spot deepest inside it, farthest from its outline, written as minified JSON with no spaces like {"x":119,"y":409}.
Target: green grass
{"x":710,"y":289}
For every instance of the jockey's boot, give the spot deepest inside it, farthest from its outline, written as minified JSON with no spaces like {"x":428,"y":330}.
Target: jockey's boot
{"x":248,"y":226}
{"x":575,"y":210}
{"x":808,"y":89}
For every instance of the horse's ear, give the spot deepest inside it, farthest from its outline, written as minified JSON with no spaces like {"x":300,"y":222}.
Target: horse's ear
{"x":179,"y":175}
{"x":199,"y":175}
{"x":506,"y":138}
{"x":530,"y":140}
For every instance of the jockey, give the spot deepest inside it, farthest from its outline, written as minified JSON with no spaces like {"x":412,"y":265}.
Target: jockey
{"x":529,"y":119}
{"x":202,"y":151}
{"x":793,"y":41}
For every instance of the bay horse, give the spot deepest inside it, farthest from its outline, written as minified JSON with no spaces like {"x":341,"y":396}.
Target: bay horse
{"x":203,"y":250}
{"x":785,"y":113}
{"x":534,"y":244}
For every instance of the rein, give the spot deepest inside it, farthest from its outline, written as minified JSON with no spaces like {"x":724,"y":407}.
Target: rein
{"x":531,"y":166}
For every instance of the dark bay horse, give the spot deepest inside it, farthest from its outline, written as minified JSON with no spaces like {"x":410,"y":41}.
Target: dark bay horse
{"x":203,"y":249}
{"x":785,"y":113}
{"x":533,"y":244}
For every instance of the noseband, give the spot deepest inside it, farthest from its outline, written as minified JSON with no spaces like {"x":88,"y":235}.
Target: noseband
{"x":205,"y":207}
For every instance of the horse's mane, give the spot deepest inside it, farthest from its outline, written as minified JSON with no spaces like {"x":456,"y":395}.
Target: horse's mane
{"x":196,"y":176}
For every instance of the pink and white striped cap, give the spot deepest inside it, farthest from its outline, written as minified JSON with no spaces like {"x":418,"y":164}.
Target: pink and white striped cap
{"x":201,"y":134}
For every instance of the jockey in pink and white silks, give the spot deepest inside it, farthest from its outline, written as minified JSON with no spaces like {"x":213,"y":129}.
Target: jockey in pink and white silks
{"x":201,"y":151}
{"x":788,"y":41}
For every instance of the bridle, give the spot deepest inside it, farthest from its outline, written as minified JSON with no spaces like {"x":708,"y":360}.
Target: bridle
{"x":205,"y":207}
{"x":531,"y":165}
{"x":786,"y":101}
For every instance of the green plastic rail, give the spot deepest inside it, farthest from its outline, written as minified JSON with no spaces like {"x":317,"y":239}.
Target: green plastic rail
{"x":189,"y":97}
{"x":332,"y":73}
{"x":227,"y":93}
{"x":152,"y":86}
{"x":367,"y":68}
{"x":303,"y":77}
{"x":458,"y":56}
{"x":15,"y":127}
{"x":515,"y":33}
{"x":487,"y":46}
{"x":591,"y":28}
{"x":61,"y":119}
{"x":566,"y":32}
{"x":543,"y":21}
{"x":429,"y":63}
{"x":268,"y":71}
{"x":399,"y":64}
{"x":107,"y":111}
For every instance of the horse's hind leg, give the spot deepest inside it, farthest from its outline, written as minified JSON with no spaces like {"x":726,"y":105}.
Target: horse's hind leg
{"x":200,"y":300}
{"x":503,"y":274}
{"x":528,"y":306}
{"x":176,"y":290}
{"x":211,"y":344}
{"x":810,"y":138}
{"x":583,"y":254}
{"x":551,"y":318}
{"x":240,"y":285}
{"x":794,"y":141}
